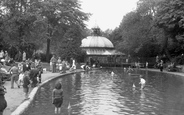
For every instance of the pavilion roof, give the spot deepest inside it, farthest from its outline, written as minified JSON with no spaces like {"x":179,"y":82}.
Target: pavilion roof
{"x":96,"y":42}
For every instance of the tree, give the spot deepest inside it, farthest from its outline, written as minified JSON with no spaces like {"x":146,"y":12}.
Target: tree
{"x":137,"y":32}
{"x":61,"y":12}
{"x":37,"y":21}
{"x":132,"y":33}
{"x":148,"y":7}
{"x":170,"y":18}
{"x":17,"y":22}
{"x":70,"y":47}
{"x":155,"y":27}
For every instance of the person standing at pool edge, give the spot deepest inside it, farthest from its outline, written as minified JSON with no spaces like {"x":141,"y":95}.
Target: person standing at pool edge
{"x":15,"y":75}
{"x":57,"y":97}
{"x":54,"y":61}
{"x":24,"y":56}
{"x":161,"y":65}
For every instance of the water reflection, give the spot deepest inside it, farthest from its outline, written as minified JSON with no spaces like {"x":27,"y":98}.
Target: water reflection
{"x":101,"y":93}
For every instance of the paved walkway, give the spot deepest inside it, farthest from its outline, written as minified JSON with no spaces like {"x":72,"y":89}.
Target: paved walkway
{"x":15,"y":97}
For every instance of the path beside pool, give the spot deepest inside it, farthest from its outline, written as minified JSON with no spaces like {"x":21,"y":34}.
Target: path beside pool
{"x":15,"y":97}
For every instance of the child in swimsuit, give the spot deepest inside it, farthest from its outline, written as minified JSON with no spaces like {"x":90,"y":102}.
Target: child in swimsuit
{"x":57,"y":97}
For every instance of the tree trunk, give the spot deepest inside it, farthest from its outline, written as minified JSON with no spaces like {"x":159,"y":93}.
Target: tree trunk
{"x":164,"y":49}
{"x":48,"y":50}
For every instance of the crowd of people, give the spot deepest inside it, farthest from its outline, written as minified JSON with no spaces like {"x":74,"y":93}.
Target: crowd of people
{"x":25,"y":74}
{"x":58,"y":65}
{"x":5,"y":58}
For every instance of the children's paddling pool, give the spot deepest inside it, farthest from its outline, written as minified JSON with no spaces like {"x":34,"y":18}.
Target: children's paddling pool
{"x":98,"y":92}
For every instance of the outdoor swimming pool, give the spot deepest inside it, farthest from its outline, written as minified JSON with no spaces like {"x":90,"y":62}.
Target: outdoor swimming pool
{"x":98,"y":93}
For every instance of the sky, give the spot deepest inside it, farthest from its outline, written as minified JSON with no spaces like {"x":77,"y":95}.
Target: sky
{"x":107,"y":14}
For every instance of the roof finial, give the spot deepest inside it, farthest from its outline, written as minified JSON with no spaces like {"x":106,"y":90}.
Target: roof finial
{"x":96,"y":30}
{"x":96,"y":25}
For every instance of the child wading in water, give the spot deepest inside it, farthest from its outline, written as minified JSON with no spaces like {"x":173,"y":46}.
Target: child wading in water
{"x":142,"y":82}
{"x":57,"y":97}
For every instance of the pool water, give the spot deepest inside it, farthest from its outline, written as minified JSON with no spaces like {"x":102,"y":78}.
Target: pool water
{"x":97,"y":92}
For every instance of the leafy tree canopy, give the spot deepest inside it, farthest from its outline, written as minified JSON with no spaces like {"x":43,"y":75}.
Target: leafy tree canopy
{"x":170,"y":16}
{"x":36,"y":21}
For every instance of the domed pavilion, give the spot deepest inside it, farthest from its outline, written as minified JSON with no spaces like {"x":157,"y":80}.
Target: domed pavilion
{"x":100,"y":49}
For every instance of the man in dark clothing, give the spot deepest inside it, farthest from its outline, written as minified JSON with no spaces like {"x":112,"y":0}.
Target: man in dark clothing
{"x":161,"y":65}
{"x":39,"y":67}
{"x":26,"y":66}
{"x":34,"y":72}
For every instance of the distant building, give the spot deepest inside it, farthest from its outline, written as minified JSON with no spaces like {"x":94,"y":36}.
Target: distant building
{"x":100,"y":49}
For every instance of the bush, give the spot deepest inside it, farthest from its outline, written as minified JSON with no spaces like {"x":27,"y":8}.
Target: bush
{"x":179,"y":59}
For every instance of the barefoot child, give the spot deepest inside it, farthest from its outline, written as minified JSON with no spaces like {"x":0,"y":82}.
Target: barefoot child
{"x":57,"y":97}
{"x":20,"y":80}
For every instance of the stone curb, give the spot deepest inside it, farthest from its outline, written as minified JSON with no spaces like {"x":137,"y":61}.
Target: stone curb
{"x":25,"y":105}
